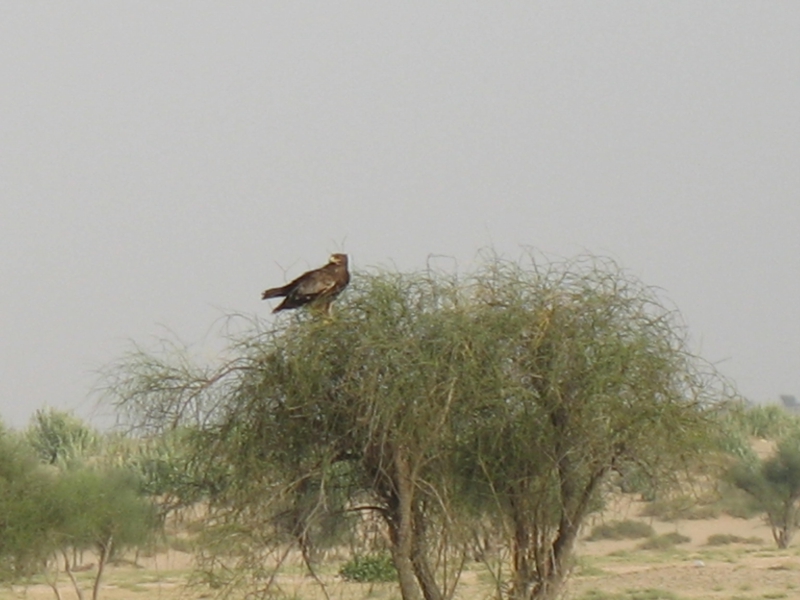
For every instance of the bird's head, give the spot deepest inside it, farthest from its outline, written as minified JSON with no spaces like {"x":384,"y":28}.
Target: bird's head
{"x":338,"y":259}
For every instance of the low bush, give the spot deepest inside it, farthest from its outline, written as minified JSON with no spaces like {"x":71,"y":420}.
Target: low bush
{"x":646,"y":594}
{"x":369,"y":569}
{"x":664,"y":542}
{"x":621,"y":530}
{"x":723,"y":539}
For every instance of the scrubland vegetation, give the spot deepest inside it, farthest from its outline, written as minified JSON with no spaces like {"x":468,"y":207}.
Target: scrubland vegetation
{"x":438,"y":437}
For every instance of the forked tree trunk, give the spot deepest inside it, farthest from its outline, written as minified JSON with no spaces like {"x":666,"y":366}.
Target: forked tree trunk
{"x":783,"y":524}
{"x":406,"y":533}
{"x":539,"y":568}
{"x":541,"y":562}
{"x":782,"y":535}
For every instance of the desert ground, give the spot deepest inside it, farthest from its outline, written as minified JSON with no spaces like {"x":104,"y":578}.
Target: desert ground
{"x":604,"y":570}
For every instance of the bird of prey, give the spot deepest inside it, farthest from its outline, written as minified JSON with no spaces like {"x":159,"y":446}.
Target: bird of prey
{"x":316,"y":288}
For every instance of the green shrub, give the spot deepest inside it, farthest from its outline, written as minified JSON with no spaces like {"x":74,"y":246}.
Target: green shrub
{"x":723,"y":539}
{"x":774,"y":485}
{"x":664,"y":542}
{"x":737,"y":503}
{"x":621,"y":530}
{"x":646,"y":594}
{"x":369,"y":569}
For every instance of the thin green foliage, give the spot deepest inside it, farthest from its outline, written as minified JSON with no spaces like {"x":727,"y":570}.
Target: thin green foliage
{"x":61,"y":439}
{"x":432,"y":402}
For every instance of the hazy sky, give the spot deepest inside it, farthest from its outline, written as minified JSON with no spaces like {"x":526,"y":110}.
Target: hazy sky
{"x":161,"y":163}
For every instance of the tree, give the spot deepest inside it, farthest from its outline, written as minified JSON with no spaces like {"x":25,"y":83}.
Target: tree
{"x":321,"y":419}
{"x":774,"y":485}
{"x":25,"y":511}
{"x":46,"y":514}
{"x":597,"y":378}
{"x":59,"y":438}
{"x":432,"y":401}
{"x":101,"y":511}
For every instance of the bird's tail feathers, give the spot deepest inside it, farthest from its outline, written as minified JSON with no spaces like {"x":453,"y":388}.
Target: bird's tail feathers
{"x":273,"y":293}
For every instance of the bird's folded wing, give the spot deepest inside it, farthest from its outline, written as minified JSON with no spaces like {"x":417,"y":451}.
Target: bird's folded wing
{"x":318,"y":284}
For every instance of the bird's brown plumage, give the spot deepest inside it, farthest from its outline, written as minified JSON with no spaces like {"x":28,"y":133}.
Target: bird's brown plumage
{"x":318,"y":287}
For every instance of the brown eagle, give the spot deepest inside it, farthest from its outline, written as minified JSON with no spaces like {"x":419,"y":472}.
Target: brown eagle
{"x":318,"y":287}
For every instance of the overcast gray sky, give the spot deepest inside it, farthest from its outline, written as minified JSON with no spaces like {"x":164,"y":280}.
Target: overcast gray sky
{"x":163,"y":162}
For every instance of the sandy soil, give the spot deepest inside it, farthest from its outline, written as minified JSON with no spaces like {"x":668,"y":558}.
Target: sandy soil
{"x":694,"y":569}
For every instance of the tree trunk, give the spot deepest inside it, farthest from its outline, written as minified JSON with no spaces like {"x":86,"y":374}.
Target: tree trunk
{"x":406,"y":526}
{"x":782,"y":536}
{"x":105,"y":553}
{"x":409,"y":588}
{"x":71,"y":575}
{"x":782,"y":526}
{"x":419,"y":558}
{"x":401,"y":529}
{"x":53,"y":582}
{"x":522,"y":573}
{"x":540,"y":561}
{"x":54,"y":586}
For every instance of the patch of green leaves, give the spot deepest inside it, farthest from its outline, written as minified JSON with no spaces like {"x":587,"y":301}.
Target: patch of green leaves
{"x":369,"y":569}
